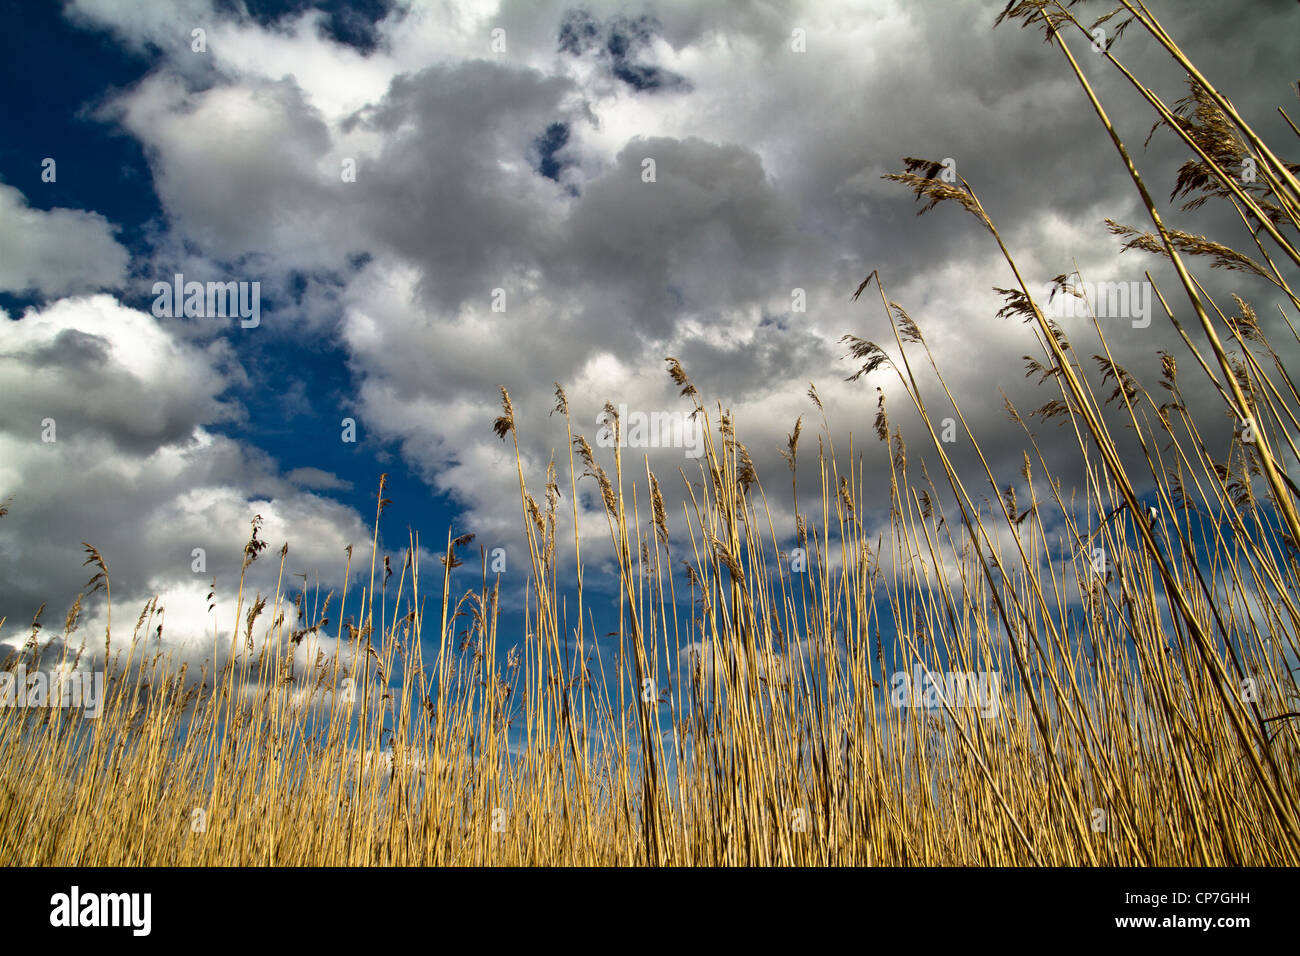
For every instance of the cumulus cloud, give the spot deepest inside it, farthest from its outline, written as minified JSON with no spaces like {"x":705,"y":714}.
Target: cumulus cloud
{"x":56,"y":252}
{"x":107,"y":435}
{"x":501,"y":231}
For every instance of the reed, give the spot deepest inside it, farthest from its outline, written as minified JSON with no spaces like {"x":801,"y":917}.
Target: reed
{"x":747,"y":710}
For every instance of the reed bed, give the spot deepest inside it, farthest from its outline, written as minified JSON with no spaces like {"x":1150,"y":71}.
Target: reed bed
{"x":743,"y":711}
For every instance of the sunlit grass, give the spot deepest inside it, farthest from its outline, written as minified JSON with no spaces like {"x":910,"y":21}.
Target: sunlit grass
{"x":744,"y":712}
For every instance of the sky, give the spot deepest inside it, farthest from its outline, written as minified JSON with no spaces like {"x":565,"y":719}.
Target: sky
{"x":437,"y":199}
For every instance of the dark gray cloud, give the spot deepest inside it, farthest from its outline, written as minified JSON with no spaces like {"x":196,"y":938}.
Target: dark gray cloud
{"x":710,"y":232}
{"x":436,"y":193}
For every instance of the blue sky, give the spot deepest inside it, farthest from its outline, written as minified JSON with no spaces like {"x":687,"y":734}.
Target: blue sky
{"x":103,"y":170}
{"x":502,"y":146}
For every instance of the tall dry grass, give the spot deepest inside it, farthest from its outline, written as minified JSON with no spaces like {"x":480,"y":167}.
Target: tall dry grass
{"x":1147,"y":713}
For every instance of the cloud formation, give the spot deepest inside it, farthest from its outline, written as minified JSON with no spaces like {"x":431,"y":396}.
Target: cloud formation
{"x":502,"y":228}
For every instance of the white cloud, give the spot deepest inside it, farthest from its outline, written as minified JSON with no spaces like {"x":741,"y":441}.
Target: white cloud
{"x":56,"y":252}
{"x":767,"y":180}
{"x":135,"y":469}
